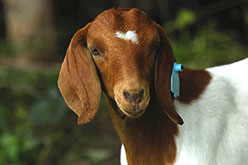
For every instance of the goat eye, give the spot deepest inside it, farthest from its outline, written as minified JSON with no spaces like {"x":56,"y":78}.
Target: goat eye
{"x":95,"y":52}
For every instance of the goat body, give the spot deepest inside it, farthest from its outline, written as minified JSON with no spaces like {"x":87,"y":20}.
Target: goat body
{"x":128,"y":56}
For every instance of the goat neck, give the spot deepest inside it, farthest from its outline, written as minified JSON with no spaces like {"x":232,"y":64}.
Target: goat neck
{"x":148,"y":139}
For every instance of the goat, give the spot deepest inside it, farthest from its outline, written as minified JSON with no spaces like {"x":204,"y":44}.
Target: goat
{"x":128,"y":56}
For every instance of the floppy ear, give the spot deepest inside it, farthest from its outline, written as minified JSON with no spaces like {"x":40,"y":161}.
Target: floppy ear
{"x":78,"y":81}
{"x":163,"y":70}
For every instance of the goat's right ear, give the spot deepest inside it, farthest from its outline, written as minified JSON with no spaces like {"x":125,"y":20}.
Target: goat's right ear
{"x":163,"y":70}
{"x":78,"y":81}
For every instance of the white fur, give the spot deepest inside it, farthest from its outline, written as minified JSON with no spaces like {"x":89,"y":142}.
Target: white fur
{"x":215,"y":129}
{"x":129,"y":35}
{"x":123,"y":156}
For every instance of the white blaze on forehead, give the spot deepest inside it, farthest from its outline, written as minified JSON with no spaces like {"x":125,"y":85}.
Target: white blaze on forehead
{"x":129,"y":35}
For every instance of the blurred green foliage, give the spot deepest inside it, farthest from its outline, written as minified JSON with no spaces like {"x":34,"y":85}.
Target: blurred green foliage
{"x":185,"y":18}
{"x":36,"y":126}
{"x":207,"y":47}
{"x":29,"y":102}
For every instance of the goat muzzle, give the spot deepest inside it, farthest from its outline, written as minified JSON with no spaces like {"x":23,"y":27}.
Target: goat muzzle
{"x":132,"y":98}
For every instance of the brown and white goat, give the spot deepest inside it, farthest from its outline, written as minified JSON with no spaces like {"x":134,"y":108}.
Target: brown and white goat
{"x":128,"y":56}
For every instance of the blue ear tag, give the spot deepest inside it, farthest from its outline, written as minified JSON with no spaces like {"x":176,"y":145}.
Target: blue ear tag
{"x":175,"y":81}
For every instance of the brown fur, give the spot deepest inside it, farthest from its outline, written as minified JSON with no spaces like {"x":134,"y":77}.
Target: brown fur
{"x":124,"y":66}
{"x":82,"y":97}
{"x":149,"y":139}
{"x":193,"y":83}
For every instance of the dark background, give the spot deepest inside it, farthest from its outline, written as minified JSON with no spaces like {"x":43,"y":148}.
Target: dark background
{"x":36,"y":127}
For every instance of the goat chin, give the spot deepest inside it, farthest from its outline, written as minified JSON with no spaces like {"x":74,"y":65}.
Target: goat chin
{"x":130,"y":57}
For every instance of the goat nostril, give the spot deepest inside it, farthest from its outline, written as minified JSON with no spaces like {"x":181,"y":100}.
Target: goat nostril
{"x":134,"y":98}
{"x":126,"y":94}
{"x":139,"y":96}
{"x":141,"y":93}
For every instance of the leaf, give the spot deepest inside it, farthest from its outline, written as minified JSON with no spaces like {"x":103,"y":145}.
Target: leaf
{"x":185,"y":18}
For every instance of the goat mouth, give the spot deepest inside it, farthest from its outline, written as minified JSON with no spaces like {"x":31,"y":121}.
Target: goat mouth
{"x":132,"y":110}
{"x":133,"y":113}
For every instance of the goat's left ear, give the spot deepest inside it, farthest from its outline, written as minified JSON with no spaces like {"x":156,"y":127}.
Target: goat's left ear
{"x":163,"y":70}
{"x":78,"y":81}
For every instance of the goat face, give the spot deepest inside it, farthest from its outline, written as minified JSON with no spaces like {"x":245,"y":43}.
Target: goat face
{"x":125,"y":58}
{"x":122,"y":45}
